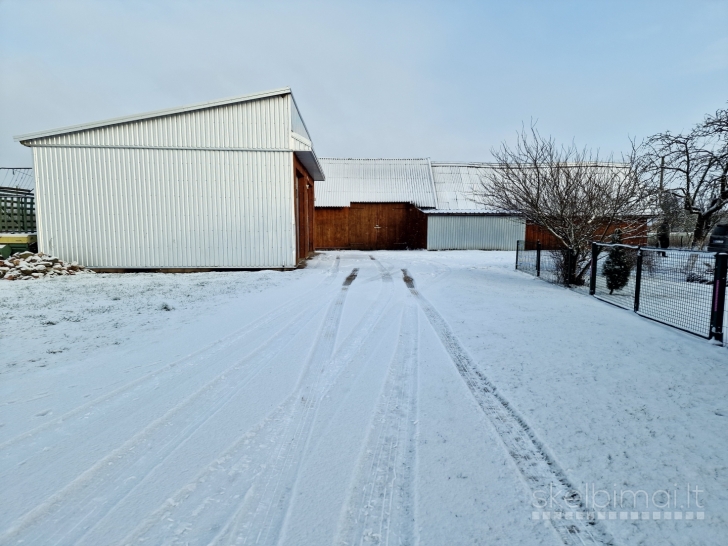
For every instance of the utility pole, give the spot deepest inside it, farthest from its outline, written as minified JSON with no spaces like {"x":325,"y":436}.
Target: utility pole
{"x":664,"y":229}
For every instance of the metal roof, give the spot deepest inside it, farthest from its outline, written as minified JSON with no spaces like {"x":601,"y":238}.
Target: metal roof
{"x":20,"y":178}
{"x":154,"y":114}
{"x":375,"y":181}
{"x":456,"y":185}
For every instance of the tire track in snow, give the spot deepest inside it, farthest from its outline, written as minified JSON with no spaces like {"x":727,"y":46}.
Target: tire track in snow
{"x":110,"y":462}
{"x":210,"y":350}
{"x":380,"y":508}
{"x":538,"y":469}
{"x":261,"y":518}
{"x":262,"y":471}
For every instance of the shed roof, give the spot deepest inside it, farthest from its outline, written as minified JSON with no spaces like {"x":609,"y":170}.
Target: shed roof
{"x":153,"y":114}
{"x":456,"y":185}
{"x":376,"y":181}
{"x":217,"y":137}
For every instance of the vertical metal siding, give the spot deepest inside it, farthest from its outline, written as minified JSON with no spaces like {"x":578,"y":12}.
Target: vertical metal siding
{"x":145,"y":208}
{"x":263,"y":124}
{"x":473,"y":232}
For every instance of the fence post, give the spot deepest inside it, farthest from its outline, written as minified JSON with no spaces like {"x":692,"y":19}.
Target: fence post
{"x":569,"y":265}
{"x":719,"y":280}
{"x":538,"y":258}
{"x":638,"y":280}
{"x":518,"y":245}
{"x":593,"y":273}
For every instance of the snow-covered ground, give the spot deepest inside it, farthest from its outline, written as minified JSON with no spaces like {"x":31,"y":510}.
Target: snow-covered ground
{"x":352,"y":402}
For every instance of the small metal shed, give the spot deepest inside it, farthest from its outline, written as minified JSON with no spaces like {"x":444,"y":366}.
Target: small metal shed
{"x":222,"y":184}
{"x":460,"y":222}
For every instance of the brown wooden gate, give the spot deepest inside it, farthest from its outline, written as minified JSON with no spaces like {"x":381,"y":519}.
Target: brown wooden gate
{"x":371,"y":226}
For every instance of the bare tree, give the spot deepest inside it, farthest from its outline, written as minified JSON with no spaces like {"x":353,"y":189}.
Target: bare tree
{"x":693,"y":167}
{"x":571,"y":192}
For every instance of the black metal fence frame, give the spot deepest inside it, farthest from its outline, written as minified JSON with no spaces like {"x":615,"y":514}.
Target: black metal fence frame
{"x":717,"y":309}
{"x":717,"y":304}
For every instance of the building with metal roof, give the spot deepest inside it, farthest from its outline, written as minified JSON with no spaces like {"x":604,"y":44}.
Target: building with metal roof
{"x":222,"y":184}
{"x":376,"y":180}
{"x":373,"y":204}
{"x":461,"y":221}
{"x":438,"y":207}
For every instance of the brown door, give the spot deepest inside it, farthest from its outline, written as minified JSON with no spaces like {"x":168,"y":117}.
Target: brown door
{"x":304,"y":215}
{"x":362,"y":226}
{"x":392,"y":227}
{"x":378,"y":226}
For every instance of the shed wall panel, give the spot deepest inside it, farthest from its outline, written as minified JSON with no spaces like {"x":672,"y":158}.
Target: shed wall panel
{"x":151,"y":208}
{"x":473,"y":232}
{"x":331,"y":228}
{"x":263,"y":123}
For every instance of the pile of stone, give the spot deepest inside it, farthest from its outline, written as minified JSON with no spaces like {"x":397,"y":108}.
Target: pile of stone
{"x":23,"y":266}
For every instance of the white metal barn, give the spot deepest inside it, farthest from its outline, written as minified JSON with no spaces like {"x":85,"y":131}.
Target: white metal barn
{"x":224,"y":184}
{"x":459,"y":222}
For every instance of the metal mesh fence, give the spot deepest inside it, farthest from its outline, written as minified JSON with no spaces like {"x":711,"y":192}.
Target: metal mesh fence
{"x":526,"y":258}
{"x":681,"y":288}
{"x":677,"y":288}
{"x":549,"y":264}
{"x":553,"y":265}
{"x":620,"y":293}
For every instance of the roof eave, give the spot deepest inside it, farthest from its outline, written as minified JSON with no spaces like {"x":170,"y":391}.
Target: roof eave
{"x":309,"y":160}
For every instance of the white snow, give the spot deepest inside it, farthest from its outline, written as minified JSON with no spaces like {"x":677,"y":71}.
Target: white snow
{"x":300,"y":408}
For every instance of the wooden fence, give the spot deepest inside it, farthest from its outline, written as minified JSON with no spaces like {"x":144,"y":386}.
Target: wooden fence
{"x":17,"y":211}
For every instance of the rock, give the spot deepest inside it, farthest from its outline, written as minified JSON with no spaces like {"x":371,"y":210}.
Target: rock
{"x":28,"y":266}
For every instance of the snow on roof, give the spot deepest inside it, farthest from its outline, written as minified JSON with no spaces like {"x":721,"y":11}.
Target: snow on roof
{"x":375,"y":181}
{"x":154,"y":114}
{"x":456,"y":185}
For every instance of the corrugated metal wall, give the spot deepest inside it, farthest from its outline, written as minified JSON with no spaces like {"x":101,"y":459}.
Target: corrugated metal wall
{"x":138,"y":204}
{"x":473,"y":232}
{"x":131,"y":208}
{"x":259,"y":124}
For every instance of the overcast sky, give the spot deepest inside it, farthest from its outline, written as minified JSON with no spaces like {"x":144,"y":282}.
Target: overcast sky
{"x":446,"y":80}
